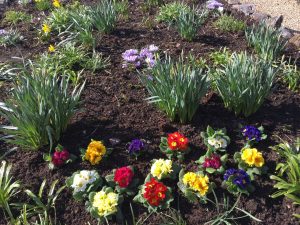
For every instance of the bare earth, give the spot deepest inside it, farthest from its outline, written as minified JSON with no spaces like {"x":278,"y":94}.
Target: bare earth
{"x":290,"y":10}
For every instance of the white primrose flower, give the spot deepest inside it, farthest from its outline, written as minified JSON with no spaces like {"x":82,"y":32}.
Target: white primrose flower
{"x":82,"y":179}
{"x":88,"y":176}
{"x":212,"y":141}
{"x":222,"y":143}
{"x":79,"y":183}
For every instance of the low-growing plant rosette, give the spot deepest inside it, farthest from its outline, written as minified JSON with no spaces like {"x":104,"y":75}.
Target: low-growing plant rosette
{"x":154,"y":195}
{"x":123,"y":181}
{"x":195,"y":185}
{"x":164,"y":168}
{"x":237,"y":181}
{"x":215,"y":140}
{"x":252,"y":161}
{"x":253,"y":135}
{"x":84,"y":182}
{"x":60,"y":157}
{"x":175,"y":145}
{"x":95,"y":152}
{"x":103,"y":205}
{"x":136,"y":147}
{"x":213,"y":163}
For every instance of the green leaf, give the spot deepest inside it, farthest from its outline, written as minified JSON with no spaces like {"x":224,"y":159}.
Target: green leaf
{"x":210,"y":170}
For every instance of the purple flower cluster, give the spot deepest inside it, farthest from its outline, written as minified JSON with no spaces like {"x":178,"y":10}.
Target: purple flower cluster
{"x":213,"y":4}
{"x":240,"y":177}
{"x":146,"y":56}
{"x":136,"y":146}
{"x":251,"y":133}
{"x":3,"y":32}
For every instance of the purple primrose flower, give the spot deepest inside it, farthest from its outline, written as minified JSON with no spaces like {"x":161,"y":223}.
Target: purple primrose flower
{"x":251,"y":133}
{"x":135,"y":146}
{"x":241,"y":177}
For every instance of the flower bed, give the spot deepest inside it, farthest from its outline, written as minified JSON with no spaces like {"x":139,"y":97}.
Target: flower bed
{"x":128,"y":153}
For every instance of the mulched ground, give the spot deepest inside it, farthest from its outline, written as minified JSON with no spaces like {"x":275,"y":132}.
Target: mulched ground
{"x":113,"y":107}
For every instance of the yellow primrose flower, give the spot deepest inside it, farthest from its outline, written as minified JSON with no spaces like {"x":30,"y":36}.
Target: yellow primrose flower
{"x":105,"y":203}
{"x":253,"y":157}
{"x":196,"y":182}
{"x":56,"y":3}
{"x":95,"y":151}
{"x":51,"y":48}
{"x":46,"y":28}
{"x":161,"y":167}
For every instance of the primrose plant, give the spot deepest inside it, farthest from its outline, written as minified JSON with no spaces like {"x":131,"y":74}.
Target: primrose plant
{"x":195,"y":186}
{"x":253,"y":135}
{"x":237,"y":181}
{"x":83,"y":183}
{"x":215,"y":140}
{"x":136,"y":147}
{"x":251,"y":160}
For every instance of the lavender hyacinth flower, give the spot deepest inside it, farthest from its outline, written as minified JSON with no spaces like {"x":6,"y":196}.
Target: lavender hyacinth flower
{"x":150,"y":62}
{"x":3,"y":32}
{"x":130,"y":55}
{"x":153,"y":48}
{"x":213,"y":4}
{"x":251,"y":133}
{"x":146,"y":56}
{"x":145,"y":53}
{"x":135,"y":146}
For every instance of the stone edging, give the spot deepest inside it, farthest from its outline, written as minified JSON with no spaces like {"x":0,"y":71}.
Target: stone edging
{"x":293,"y":36}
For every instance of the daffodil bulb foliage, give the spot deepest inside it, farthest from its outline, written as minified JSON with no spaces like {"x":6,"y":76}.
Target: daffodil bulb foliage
{"x":215,"y":140}
{"x":83,"y":182}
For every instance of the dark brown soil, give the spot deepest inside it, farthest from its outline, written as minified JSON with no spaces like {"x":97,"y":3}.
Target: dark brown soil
{"x":114,"y":107}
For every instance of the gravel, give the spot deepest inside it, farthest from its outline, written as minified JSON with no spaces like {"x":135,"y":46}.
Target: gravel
{"x":290,"y":10}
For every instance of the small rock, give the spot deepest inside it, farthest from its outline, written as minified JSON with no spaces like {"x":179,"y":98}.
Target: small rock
{"x":234,"y":2}
{"x":295,"y":40}
{"x":286,"y":33}
{"x":114,"y":141}
{"x":257,"y":16}
{"x":177,"y":45}
{"x":275,"y":21}
{"x":247,"y":9}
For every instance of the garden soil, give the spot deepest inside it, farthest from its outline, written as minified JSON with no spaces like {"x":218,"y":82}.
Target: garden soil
{"x":114,"y":110}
